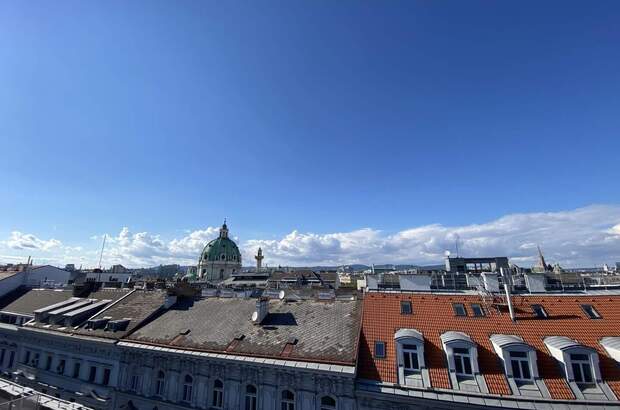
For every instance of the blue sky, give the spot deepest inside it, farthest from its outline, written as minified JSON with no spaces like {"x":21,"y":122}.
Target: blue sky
{"x":315,"y":118}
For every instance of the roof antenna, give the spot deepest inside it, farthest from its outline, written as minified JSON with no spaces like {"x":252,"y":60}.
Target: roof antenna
{"x":456,"y":242}
{"x":102,"y":248}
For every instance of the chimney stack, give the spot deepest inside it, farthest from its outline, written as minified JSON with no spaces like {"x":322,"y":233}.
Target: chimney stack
{"x":262,"y":310}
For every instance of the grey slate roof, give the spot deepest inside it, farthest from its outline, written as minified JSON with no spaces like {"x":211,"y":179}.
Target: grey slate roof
{"x":138,"y":306}
{"x":35,"y":299}
{"x":306,"y":330}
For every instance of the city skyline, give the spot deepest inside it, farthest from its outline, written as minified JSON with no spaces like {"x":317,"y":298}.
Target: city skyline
{"x":585,"y":237}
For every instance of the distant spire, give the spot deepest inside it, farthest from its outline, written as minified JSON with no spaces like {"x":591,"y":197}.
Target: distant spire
{"x":541,"y":258}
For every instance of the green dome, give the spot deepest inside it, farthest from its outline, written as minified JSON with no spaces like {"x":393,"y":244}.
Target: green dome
{"x":221,"y":249}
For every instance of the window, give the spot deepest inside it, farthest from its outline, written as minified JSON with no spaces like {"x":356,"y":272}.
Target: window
{"x":582,"y":369}
{"x":218,"y":394}
{"x":106,"y":377}
{"x":76,"y":370}
{"x":539,"y":311}
{"x":2,"y":354}
{"x":61,"y":367}
{"x":250,"y":397}
{"x":92,"y":374}
{"x":188,"y":383}
{"x":462,"y":362}
{"x":135,"y":382}
{"x":410,"y":358}
{"x":405,"y":307}
{"x":160,"y":383}
{"x":328,"y":403}
{"x":520,"y":366}
{"x":11,"y":358}
{"x":288,"y":400}
{"x":48,"y":361}
{"x":379,"y":350}
{"x":590,"y":311}
{"x":459,"y":309}
{"x":27,"y":357}
{"x":477,"y":309}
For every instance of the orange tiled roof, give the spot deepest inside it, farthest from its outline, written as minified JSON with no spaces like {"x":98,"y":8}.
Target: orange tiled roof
{"x":433,"y":315}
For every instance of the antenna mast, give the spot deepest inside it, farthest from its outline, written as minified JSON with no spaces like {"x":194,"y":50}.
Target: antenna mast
{"x":102,"y":248}
{"x":456,"y":241}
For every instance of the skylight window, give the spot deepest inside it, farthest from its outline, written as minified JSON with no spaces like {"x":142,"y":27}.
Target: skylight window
{"x":591,"y":312}
{"x":405,"y":307}
{"x":379,"y":350}
{"x":477,"y":309}
{"x":459,"y":309}
{"x":539,"y":311}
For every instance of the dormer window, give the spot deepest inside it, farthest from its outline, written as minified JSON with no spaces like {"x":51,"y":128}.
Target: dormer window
{"x":462,"y":355}
{"x":590,"y":311}
{"x":462,"y":362}
{"x":412,"y":369}
{"x":539,"y":311}
{"x":582,"y":368}
{"x":410,"y":358}
{"x":520,"y":366}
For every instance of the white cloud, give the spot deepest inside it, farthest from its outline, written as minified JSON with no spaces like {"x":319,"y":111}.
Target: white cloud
{"x":22,"y":241}
{"x":581,"y":237}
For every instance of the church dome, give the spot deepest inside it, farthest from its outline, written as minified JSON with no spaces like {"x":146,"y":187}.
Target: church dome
{"x":221,"y":249}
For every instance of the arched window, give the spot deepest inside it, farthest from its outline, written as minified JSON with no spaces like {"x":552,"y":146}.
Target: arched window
{"x":250,"y":397}
{"x":223,"y":257}
{"x":218,"y":394}
{"x":188,"y":384}
{"x":288,"y":400}
{"x":160,"y":383}
{"x":328,"y":403}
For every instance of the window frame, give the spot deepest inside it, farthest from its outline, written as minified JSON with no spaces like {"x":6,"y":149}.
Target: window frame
{"x":215,"y":403}
{"x":459,"y":357}
{"x":328,"y":406}
{"x":251,"y":398}
{"x":406,"y":304}
{"x":590,"y":311}
{"x":475,"y":306}
{"x":376,"y":351}
{"x":521,"y":362}
{"x":187,"y":389}
{"x":539,"y":311}
{"x":410,"y":350}
{"x":581,"y":364}
{"x":287,"y":403}
{"x":456,"y":306}
{"x":160,"y":383}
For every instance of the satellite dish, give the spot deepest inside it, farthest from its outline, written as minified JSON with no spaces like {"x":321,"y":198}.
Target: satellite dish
{"x":254,"y":316}
{"x":281,"y":295}
{"x":447,"y":253}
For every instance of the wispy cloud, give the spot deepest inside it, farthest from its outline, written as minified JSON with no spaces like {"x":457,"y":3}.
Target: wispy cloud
{"x":580,"y":237}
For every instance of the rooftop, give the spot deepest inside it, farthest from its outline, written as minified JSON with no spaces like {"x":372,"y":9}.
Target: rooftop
{"x":433,"y":315}
{"x":319,"y":331}
{"x":25,"y":302}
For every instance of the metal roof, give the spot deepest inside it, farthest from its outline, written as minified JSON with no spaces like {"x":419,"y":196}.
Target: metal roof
{"x":451,"y":336}
{"x":409,"y":333}
{"x":507,"y":340}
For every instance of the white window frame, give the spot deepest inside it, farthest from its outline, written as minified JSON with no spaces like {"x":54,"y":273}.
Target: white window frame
{"x":187,"y":389}
{"x":160,"y":383}
{"x":410,"y":350}
{"x":522,"y":361}
{"x":581,"y":364}
{"x":250,"y":399}
{"x":461,"y":358}
{"x":401,"y":340}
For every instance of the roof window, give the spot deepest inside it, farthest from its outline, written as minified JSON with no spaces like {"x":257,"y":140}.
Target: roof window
{"x":405,"y":307}
{"x":539,"y":311}
{"x":591,"y":312}
{"x":379,"y":350}
{"x":459,"y":309}
{"x":477,"y":309}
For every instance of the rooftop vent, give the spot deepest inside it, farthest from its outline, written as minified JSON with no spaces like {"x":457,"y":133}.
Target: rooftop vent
{"x":273,"y":294}
{"x":98,"y":323}
{"x":118,"y":325}
{"x":77,"y":316}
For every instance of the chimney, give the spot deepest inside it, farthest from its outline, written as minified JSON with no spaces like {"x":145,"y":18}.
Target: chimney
{"x":262,"y":310}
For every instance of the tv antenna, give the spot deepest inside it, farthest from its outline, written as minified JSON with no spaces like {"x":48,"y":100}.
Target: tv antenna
{"x":102,"y":248}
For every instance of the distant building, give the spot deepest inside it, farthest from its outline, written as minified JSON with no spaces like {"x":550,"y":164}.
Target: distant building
{"x":476,"y":265}
{"x":118,"y":269}
{"x":220,"y":258}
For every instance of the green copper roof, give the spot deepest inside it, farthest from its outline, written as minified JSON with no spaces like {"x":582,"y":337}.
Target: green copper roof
{"x":221,"y":249}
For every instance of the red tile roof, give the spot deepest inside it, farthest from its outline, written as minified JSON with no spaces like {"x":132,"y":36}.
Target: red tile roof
{"x":433,"y":315}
